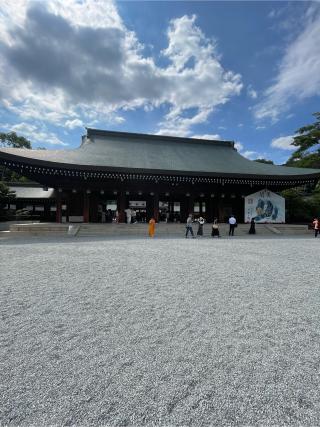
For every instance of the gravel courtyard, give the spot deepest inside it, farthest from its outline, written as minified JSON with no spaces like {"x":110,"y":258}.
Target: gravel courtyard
{"x":168,"y":332}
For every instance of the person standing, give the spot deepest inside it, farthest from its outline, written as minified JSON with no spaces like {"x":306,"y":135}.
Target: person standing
{"x":215,"y":228}
{"x":128,"y":215}
{"x":200,"y":227}
{"x":151,"y":227}
{"x":232,"y":224}
{"x":134,"y":216}
{"x":189,"y":227}
{"x":252,"y":229}
{"x":316,"y":226}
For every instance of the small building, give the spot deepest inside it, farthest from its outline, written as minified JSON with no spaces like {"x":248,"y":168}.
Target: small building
{"x":31,"y":201}
{"x":156,"y":176}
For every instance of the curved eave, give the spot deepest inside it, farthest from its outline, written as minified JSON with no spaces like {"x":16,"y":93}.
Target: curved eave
{"x":20,"y":161}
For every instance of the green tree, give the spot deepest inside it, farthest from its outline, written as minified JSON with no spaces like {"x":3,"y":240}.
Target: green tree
{"x":303,"y":204}
{"x":298,"y":207}
{"x":268,"y":162}
{"x":307,"y":141}
{"x":12,"y":140}
{"x":308,"y":136}
{"x":305,"y":160}
{"x":5,"y":192}
{"x":6,"y":195}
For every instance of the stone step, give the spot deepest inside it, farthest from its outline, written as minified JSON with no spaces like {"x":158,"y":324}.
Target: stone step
{"x":162,"y":229}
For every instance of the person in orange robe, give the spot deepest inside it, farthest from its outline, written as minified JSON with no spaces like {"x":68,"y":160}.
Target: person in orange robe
{"x":152,"y":226}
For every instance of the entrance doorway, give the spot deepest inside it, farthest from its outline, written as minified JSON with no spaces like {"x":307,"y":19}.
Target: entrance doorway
{"x":169,"y":211}
{"x":138,"y":210}
{"x":199,"y":208}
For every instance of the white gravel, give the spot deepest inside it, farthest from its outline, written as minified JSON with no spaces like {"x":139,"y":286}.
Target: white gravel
{"x":169,"y":332}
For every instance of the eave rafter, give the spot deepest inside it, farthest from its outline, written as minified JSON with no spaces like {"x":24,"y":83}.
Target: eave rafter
{"x":75,"y":174}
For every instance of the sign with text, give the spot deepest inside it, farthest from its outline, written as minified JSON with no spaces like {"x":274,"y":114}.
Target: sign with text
{"x":265,"y":207}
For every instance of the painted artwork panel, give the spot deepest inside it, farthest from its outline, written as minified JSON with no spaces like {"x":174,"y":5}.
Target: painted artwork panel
{"x":265,"y":207}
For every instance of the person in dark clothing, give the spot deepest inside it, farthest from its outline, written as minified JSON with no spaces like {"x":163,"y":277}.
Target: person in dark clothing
{"x":215,"y":228}
{"x":316,"y":226}
{"x":252,"y":229}
{"x":200,"y":228}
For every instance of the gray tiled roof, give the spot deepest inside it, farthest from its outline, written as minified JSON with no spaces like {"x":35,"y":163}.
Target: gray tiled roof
{"x":28,"y":192}
{"x":156,"y":153}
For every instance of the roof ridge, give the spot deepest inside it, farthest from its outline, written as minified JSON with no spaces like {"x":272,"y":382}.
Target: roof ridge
{"x":132,"y":135}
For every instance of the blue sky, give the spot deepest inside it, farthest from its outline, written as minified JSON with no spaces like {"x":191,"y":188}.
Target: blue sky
{"x":242,"y":71}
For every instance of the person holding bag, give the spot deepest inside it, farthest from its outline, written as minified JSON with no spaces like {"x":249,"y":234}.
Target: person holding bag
{"x":215,"y":228}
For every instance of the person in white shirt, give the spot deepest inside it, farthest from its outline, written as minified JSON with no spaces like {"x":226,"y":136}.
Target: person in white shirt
{"x":232,"y":223}
{"x":200,"y":227}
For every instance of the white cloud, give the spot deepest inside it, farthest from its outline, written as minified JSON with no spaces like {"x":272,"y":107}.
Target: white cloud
{"x":119,"y":119}
{"x":207,"y":136}
{"x":253,"y":94}
{"x":298,"y":76}
{"x":72,"y":124}
{"x":198,"y":78}
{"x":177,"y":125}
{"x":238,"y":146}
{"x":272,"y":14}
{"x":260,"y":127}
{"x":283,"y":142}
{"x":250,"y":154}
{"x":38,"y":134}
{"x":25,"y":128}
{"x":51,"y":70}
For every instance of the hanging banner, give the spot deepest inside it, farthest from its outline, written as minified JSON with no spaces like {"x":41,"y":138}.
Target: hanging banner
{"x":265,"y":207}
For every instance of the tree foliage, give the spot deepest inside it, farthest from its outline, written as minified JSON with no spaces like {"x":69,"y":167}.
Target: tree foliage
{"x":5,"y":192}
{"x":308,"y":136}
{"x":300,"y":206}
{"x":11,"y":139}
{"x":307,"y":141}
{"x":304,"y":203}
{"x":268,"y":162}
{"x":6,"y":196}
{"x":311,"y":160}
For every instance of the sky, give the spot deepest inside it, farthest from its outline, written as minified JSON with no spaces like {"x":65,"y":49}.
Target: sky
{"x":241,"y":71}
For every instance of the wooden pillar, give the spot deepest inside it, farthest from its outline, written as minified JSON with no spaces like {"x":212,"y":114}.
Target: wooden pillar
{"x":239,"y":209}
{"x":209,"y":209}
{"x":149,"y":207}
{"x":46,"y":213}
{"x":93,"y":207}
{"x":220,"y":210}
{"x":184,"y":208}
{"x":86,"y":206}
{"x":215,"y":207}
{"x":121,"y":206}
{"x":67,"y":201}
{"x":58,"y":207}
{"x":190,"y":204}
{"x":156,"y":206}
